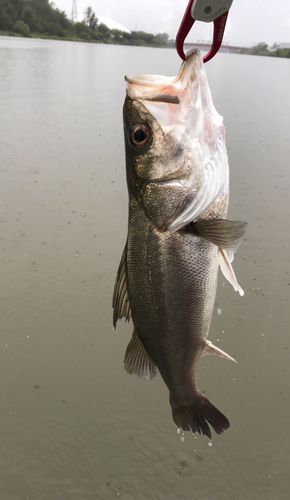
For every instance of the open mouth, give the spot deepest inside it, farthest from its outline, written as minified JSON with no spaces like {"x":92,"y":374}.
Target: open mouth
{"x":165,"y":89}
{"x":172,"y":182}
{"x":168,"y":98}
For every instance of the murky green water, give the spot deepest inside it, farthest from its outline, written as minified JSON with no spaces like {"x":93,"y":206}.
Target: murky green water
{"x":74,"y":425}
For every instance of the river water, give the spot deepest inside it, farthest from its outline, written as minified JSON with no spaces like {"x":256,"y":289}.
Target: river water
{"x":74,"y":425}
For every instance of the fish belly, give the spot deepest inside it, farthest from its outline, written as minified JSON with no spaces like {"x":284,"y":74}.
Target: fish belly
{"x":172,"y":282}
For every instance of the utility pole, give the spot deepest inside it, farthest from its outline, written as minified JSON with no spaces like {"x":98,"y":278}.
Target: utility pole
{"x":74,"y":13}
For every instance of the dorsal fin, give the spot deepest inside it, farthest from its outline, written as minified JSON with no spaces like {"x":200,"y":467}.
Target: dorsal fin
{"x":121,"y":302}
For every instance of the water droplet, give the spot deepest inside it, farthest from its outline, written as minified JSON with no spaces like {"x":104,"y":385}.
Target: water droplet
{"x":262,"y":334}
{"x":182,"y":438}
{"x":209,"y":443}
{"x":178,"y":430}
{"x":35,"y":491}
{"x":219,"y":310}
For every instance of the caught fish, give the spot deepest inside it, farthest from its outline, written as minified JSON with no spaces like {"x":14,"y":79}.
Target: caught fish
{"x":178,"y":184}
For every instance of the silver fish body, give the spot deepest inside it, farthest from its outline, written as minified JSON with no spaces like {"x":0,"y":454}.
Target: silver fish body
{"x":177,"y":175}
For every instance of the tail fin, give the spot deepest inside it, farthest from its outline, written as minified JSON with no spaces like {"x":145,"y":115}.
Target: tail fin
{"x":195,"y":417}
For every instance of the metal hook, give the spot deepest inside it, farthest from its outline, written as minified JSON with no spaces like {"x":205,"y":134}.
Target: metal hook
{"x":206,"y":15}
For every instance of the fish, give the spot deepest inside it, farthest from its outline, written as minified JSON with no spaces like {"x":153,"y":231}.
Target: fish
{"x":178,"y":235}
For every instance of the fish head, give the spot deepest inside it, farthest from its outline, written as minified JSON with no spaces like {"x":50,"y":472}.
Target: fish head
{"x":158,"y":158}
{"x":175,"y":145}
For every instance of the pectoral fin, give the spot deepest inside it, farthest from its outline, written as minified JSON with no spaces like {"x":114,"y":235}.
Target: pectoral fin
{"x":121,"y":302}
{"x":137,"y":359}
{"x":209,"y":348}
{"x":227,"y":236}
{"x":224,"y":233}
{"x":227,"y":270}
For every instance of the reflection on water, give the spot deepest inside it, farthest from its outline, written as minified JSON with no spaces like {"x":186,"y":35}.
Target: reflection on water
{"x":74,"y":424}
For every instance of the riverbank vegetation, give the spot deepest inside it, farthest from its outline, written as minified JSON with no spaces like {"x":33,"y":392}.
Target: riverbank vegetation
{"x":262,"y":49}
{"x":41,"y":19}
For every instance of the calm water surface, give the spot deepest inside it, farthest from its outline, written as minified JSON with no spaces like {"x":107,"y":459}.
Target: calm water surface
{"x":74,"y":425}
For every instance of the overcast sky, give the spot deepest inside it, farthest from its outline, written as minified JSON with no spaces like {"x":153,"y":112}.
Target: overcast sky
{"x":249,"y":21}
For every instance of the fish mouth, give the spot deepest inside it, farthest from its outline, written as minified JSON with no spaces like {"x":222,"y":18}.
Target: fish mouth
{"x":162,"y":89}
{"x":181,"y":183}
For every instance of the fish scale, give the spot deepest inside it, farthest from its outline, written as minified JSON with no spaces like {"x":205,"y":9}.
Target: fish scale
{"x":171,"y":283}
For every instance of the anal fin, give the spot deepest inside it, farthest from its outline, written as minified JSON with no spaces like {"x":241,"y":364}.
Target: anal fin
{"x":137,"y":359}
{"x":210,"y":348}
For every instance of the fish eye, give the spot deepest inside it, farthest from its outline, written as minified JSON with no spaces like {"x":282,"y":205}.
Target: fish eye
{"x":139,"y":135}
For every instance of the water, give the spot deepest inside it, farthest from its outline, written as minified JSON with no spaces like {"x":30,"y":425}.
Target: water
{"x":74,"y":425}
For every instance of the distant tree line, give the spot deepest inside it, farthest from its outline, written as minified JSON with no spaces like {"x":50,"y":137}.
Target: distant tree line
{"x":262,"y":49}
{"x":26,"y":17}
{"x":41,"y":19}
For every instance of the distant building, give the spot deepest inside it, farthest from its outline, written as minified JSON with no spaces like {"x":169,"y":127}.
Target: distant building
{"x":111,"y":24}
{"x":206,"y":45}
